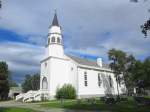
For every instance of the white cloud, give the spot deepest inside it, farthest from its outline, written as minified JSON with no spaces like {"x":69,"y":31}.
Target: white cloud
{"x":21,"y":57}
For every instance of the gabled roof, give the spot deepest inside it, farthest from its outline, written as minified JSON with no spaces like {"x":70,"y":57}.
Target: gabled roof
{"x":87,"y":62}
{"x":55,"y":21}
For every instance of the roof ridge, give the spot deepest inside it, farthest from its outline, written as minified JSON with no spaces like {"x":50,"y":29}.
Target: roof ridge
{"x":81,"y":58}
{"x":88,"y":62}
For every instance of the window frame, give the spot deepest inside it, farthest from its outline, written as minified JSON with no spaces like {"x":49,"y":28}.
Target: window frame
{"x":58,"y":40}
{"x":53,"y":40}
{"x":99,"y":80}
{"x":85,"y":79}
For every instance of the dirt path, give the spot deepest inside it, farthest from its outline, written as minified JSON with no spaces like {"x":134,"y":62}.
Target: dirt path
{"x":36,"y":107}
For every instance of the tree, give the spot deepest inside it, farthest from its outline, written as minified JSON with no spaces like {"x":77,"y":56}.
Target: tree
{"x":127,"y":73}
{"x":146,"y":77}
{"x":141,"y":71}
{"x":122,"y":65}
{"x":4,"y":81}
{"x":139,"y":75}
{"x":0,"y":4}
{"x":13,"y":83}
{"x":135,"y":72}
{"x":31,"y":82}
{"x":26,"y":85}
{"x":146,"y":26}
{"x":118,"y":59}
{"x":35,"y":82}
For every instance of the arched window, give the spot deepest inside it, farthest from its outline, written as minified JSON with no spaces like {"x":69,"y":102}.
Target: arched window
{"x":44,"y":83}
{"x":58,"y":40}
{"x":53,"y":39}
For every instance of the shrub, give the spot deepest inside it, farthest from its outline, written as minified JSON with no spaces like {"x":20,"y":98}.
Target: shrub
{"x":67,"y":91}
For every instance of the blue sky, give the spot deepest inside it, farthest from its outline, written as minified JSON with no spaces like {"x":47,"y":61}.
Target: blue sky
{"x":90,"y":29}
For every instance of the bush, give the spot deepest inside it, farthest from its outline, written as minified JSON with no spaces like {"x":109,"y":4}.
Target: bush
{"x":67,"y":91}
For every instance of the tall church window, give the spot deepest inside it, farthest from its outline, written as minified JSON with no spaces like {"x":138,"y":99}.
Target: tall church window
{"x":99,"y":80}
{"x":85,"y":79}
{"x":58,"y":40}
{"x":53,"y":39}
{"x":110,"y":81}
{"x":48,"y":41}
{"x":44,"y":83}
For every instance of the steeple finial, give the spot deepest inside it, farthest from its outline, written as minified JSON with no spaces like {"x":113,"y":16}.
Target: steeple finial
{"x":55,"y":20}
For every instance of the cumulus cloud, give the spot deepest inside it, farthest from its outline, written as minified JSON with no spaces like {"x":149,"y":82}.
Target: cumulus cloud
{"x":22,"y":58}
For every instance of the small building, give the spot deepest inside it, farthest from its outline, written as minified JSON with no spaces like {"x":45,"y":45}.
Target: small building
{"x":14,"y":91}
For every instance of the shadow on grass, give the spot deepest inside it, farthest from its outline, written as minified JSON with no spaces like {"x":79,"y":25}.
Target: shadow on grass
{"x":2,"y":109}
{"x":12,"y":109}
{"x":128,"y":106}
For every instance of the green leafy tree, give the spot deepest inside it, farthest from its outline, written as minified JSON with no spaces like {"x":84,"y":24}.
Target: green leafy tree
{"x":146,"y":26}
{"x":127,"y":73}
{"x":118,"y":60}
{"x":141,"y":74}
{"x":122,"y":65}
{"x":12,"y":83}
{"x":35,"y":81}
{"x":26,"y":85}
{"x":31,"y":82}
{"x":4,"y":80}
{"x":66,"y":92}
{"x":0,"y":4}
{"x":147,"y":73}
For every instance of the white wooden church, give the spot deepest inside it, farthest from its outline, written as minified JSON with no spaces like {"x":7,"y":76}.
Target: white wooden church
{"x":90,"y":78}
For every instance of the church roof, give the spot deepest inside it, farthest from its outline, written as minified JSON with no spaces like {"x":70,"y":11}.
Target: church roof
{"x":16,"y":89}
{"x":55,"y":21}
{"x":87,"y":62}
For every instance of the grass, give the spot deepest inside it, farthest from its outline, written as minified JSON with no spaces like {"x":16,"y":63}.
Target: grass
{"x":128,"y":106}
{"x":13,"y":109}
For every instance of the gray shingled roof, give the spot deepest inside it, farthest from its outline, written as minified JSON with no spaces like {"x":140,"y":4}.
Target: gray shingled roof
{"x":87,"y":62}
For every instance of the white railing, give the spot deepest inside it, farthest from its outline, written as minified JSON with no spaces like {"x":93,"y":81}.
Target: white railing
{"x":29,"y":96}
{"x":20,"y":96}
{"x":33,"y":96}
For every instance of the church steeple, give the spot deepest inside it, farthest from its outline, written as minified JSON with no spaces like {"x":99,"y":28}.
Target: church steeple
{"x":55,"y":20}
{"x":55,"y":40}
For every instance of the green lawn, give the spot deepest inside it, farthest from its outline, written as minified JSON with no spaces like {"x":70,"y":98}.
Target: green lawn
{"x":128,"y":106}
{"x":12,"y":109}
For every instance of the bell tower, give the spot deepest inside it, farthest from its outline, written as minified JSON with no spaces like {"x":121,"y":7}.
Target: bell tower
{"x":55,"y":40}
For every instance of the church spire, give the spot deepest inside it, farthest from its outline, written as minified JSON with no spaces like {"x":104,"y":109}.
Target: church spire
{"x":55,"y":40}
{"x":55,"y":20}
